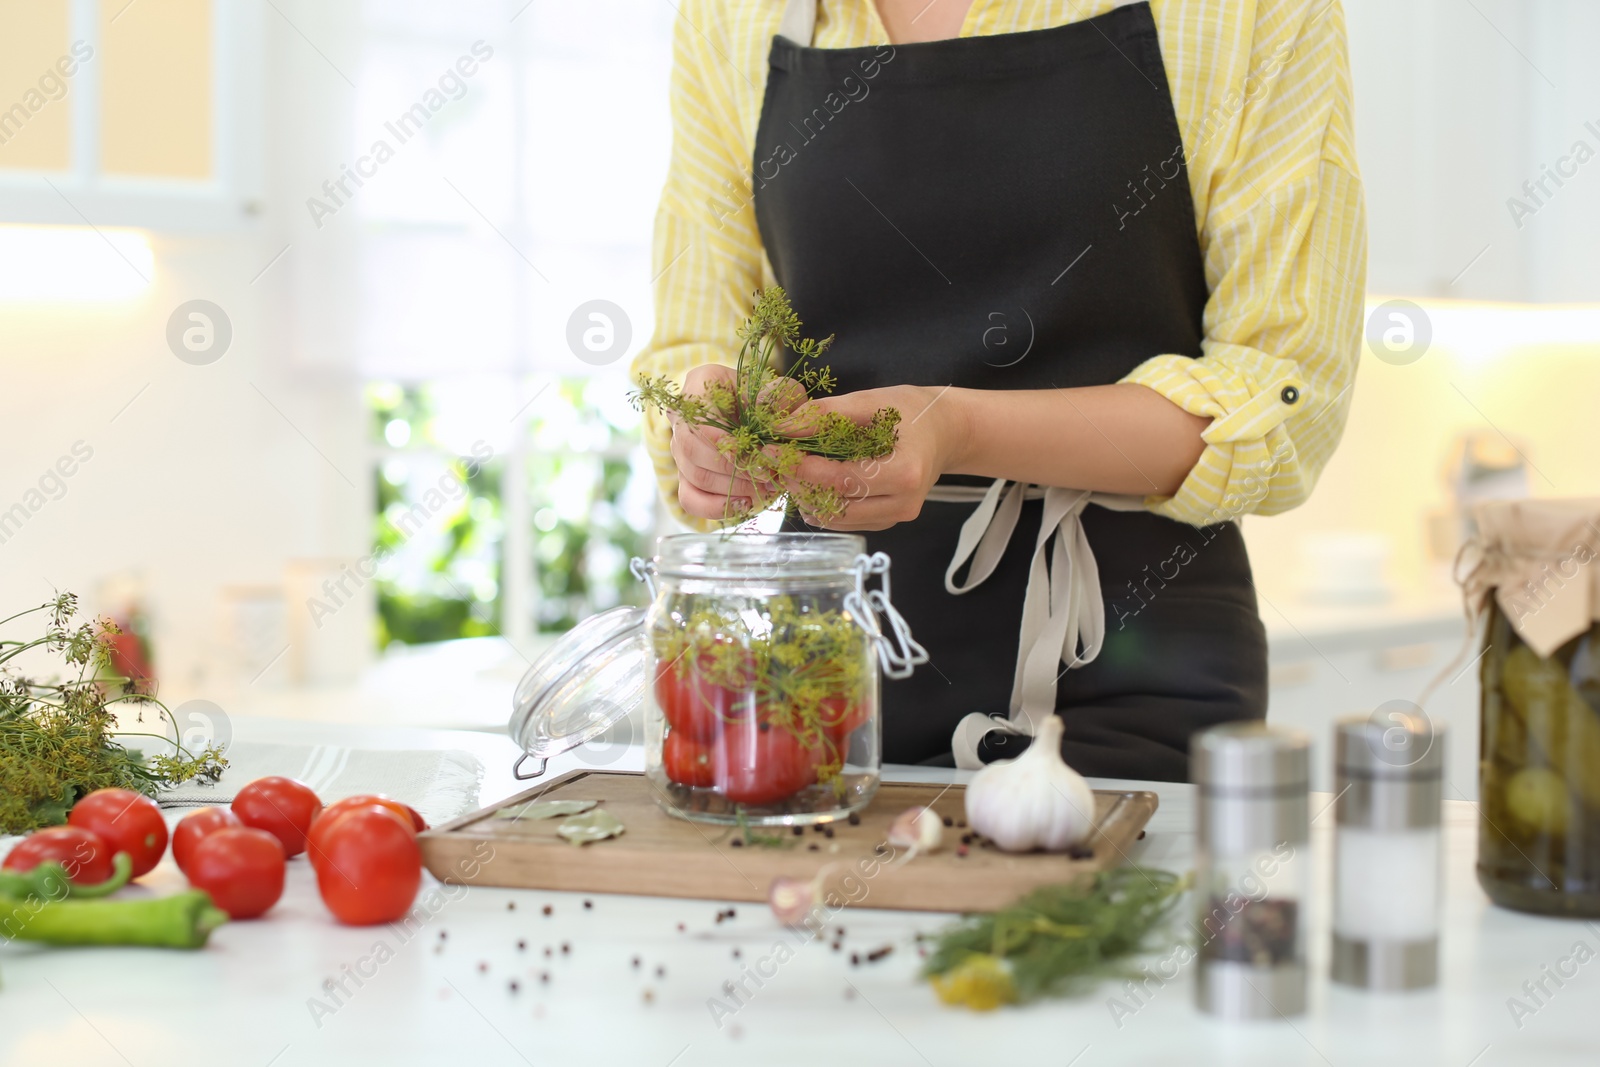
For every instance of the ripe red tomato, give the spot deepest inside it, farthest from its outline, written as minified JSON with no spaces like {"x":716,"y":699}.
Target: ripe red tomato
{"x":241,"y":867}
{"x":194,"y":828}
{"x":282,"y":807}
{"x":81,"y":853}
{"x":842,"y":716}
{"x":320,"y":827}
{"x":762,"y":763}
{"x":127,"y":822}
{"x":371,"y":866}
{"x":686,"y":760}
{"x":695,"y":706}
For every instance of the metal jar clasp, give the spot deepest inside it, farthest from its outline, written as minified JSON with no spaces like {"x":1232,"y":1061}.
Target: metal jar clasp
{"x":898,"y":652}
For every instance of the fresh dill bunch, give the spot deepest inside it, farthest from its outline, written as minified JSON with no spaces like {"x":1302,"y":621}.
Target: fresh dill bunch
{"x":756,"y":412}
{"x":56,"y":738}
{"x":1057,"y":940}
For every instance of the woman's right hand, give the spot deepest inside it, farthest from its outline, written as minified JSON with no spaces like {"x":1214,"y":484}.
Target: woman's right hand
{"x":707,"y":488}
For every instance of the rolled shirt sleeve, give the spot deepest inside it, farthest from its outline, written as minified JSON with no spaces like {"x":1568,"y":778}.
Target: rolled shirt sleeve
{"x":706,"y":255}
{"x":1284,"y":242}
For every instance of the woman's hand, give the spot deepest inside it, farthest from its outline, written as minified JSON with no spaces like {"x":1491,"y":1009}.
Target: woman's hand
{"x":707,"y":488}
{"x":879,"y":493}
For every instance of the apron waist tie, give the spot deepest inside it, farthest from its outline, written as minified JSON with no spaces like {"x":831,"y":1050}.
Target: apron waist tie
{"x":1062,"y":608}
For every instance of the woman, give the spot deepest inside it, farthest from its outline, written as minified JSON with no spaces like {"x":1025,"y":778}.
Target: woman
{"x":1106,"y":258}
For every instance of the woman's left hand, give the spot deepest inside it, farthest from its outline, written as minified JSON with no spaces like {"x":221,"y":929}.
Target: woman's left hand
{"x":881,"y":492}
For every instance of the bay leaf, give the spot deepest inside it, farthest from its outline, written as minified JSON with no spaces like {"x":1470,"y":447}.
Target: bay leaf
{"x":596,"y":825}
{"x":545,"y":809}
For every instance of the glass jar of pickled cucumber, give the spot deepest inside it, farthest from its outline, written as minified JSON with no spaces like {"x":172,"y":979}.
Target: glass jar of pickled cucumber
{"x":1539,"y":781}
{"x":1539,"y":769}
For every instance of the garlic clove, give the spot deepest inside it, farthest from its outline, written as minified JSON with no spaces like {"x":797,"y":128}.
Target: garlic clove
{"x":792,"y":900}
{"x":1034,"y":801}
{"x":916,"y":829}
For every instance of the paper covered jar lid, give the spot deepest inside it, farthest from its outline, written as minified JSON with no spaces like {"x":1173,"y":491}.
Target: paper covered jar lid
{"x":1541,"y":560}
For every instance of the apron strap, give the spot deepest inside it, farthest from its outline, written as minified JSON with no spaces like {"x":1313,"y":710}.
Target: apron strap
{"x":986,"y":532}
{"x":799,"y":21}
{"x":1062,"y":608}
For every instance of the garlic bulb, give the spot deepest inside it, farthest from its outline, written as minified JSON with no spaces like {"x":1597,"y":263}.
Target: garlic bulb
{"x":1033,"y":801}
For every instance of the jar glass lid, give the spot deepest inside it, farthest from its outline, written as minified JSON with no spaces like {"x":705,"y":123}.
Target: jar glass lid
{"x":595,"y":675}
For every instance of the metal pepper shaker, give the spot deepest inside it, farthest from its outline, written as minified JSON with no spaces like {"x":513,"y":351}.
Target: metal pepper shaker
{"x":1253,"y":869}
{"x":1387,"y":852}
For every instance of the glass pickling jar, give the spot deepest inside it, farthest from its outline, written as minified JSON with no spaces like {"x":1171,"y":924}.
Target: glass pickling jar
{"x":764,"y":689}
{"x":1535,"y":571}
{"x":755,"y":668}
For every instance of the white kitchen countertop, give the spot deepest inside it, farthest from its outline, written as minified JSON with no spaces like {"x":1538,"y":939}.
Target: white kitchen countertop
{"x":250,"y":997}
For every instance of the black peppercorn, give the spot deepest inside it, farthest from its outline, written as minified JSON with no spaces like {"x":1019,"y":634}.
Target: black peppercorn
{"x":854,"y":818}
{"x":738,"y":842}
{"x":521,"y":945}
{"x":588,"y":904}
{"x":544,"y":976}
{"x":661,"y":972}
{"x":566,"y":949}
{"x":813,"y":847}
{"x":636,"y":962}
{"x":735,"y":953}
{"x":548,"y":909}
{"x":854,"y":959}
{"x":828,"y":832}
{"x":511,"y":905}
{"x":797,"y":830}
{"x":483,"y":968}
{"x":948,"y":821}
{"x":514,"y":985}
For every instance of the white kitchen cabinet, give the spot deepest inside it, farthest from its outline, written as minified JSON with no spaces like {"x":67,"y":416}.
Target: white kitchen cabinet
{"x":150,"y":116}
{"x":1320,"y":673}
{"x":1478,"y":134}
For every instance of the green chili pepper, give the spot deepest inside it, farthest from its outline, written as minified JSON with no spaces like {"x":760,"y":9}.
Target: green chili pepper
{"x":183,"y":920}
{"x":49,"y":881}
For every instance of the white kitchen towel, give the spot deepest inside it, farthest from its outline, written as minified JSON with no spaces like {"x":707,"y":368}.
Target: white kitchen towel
{"x":441,"y":784}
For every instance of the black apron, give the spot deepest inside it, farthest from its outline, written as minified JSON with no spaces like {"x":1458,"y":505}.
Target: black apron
{"x":1013,"y":212}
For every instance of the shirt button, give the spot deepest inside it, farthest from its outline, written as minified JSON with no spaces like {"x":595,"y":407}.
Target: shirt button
{"x":1290,"y":394}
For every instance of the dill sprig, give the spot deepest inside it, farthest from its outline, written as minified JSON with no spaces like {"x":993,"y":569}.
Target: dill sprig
{"x":1057,"y":940}
{"x":56,"y":742}
{"x":763,"y":441}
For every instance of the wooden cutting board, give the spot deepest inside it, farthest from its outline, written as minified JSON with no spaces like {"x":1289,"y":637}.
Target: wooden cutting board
{"x":659,"y":855}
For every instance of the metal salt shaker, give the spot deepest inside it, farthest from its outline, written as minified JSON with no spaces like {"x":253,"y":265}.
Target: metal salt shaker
{"x":1387,"y":853}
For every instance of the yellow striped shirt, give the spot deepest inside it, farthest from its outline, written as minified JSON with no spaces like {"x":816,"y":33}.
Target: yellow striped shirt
{"x":1262,"y":93}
